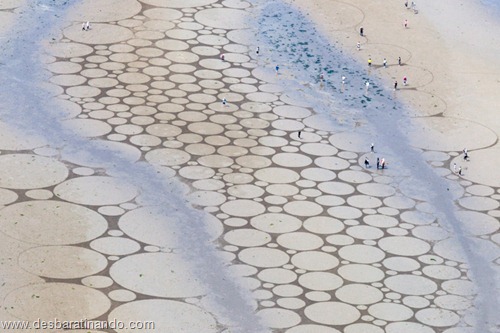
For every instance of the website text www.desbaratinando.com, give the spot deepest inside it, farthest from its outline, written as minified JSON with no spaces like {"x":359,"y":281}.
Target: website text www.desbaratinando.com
{"x":76,"y":324}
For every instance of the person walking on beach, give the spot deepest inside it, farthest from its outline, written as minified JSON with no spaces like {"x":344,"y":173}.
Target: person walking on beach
{"x":224,"y":101}
{"x":399,"y":61}
{"x":395,"y":85}
{"x":460,"y":171}
{"x":372,"y":147}
{"x":406,"y":23}
{"x":257,"y":50}
{"x":369,"y":62}
{"x":378,"y":163}
{"x":367,"y":163}
{"x":405,"y":80}
{"x":277,"y":68}
{"x":83,"y":26}
{"x":406,"y":4}
{"x":466,"y":154}
{"x":358,"y":46}
{"x":385,"y":62}
{"x":382,"y":163}
{"x":361,"y":31}
{"x":300,"y":133}
{"x":343,"y":79}
{"x":222,"y":57}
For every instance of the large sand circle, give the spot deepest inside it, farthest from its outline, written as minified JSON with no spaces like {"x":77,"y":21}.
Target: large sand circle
{"x":62,"y":262}
{"x":100,"y":34}
{"x":223,"y":18}
{"x":51,"y":222}
{"x":46,"y":301}
{"x":156,"y":274}
{"x":482,"y":167}
{"x":95,"y":190}
{"x":30,"y":171}
{"x":167,"y":315}
{"x":449,"y":134}
{"x":108,"y":10}
{"x":332,"y":313}
{"x":179,"y":3}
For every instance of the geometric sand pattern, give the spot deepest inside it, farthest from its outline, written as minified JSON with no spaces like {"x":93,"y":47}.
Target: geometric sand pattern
{"x":323,"y":244}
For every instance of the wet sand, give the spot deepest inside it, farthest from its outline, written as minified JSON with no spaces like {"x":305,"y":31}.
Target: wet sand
{"x":316,"y":241}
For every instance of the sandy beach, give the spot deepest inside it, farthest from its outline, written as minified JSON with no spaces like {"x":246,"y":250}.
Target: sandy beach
{"x":156,"y":171}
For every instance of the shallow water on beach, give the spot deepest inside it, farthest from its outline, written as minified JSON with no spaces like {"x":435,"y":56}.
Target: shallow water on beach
{"x":493,"y":5}
{"x":303,"y":54}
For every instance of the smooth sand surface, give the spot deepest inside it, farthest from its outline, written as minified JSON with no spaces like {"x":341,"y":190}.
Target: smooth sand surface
{"x":317,"y":241}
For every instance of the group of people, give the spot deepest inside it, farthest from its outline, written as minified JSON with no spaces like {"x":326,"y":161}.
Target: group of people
{"x":405,"y":81}
{"x":413,"y":6}
{"x":459,"y":169}
{"x":384,"y":63}
{"x":380,"y":162}
{"x":86,"y":26}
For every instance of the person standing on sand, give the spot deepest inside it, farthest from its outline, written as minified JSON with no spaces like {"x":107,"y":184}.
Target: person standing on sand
{"x":378,"y":163}
{"x":466,"y":154}
{"x":406,"y":4}
{"x":460,"y":171}
{"x":224,"y":101}
{"x":300,"y":133}
{"x":367,"y":163}
{"x":257,"y":50}
{"x":405,"y":80}
{"x":372,"y":147}
{"x":369,"y":62}
{"x":454,"y":167}
{"x":385,"y":62}
{"x":399,"y":61}
{"x":395,"y":85}
{"x":367,"y":85}
{"x":277,"y":68}
{"x":83,"y":26}
{"x":361,"y":31}
{"x":406,"y":23}
{"x":222,"y":57}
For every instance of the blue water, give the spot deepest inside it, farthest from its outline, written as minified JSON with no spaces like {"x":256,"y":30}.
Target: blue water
{"x":492,"y":6}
